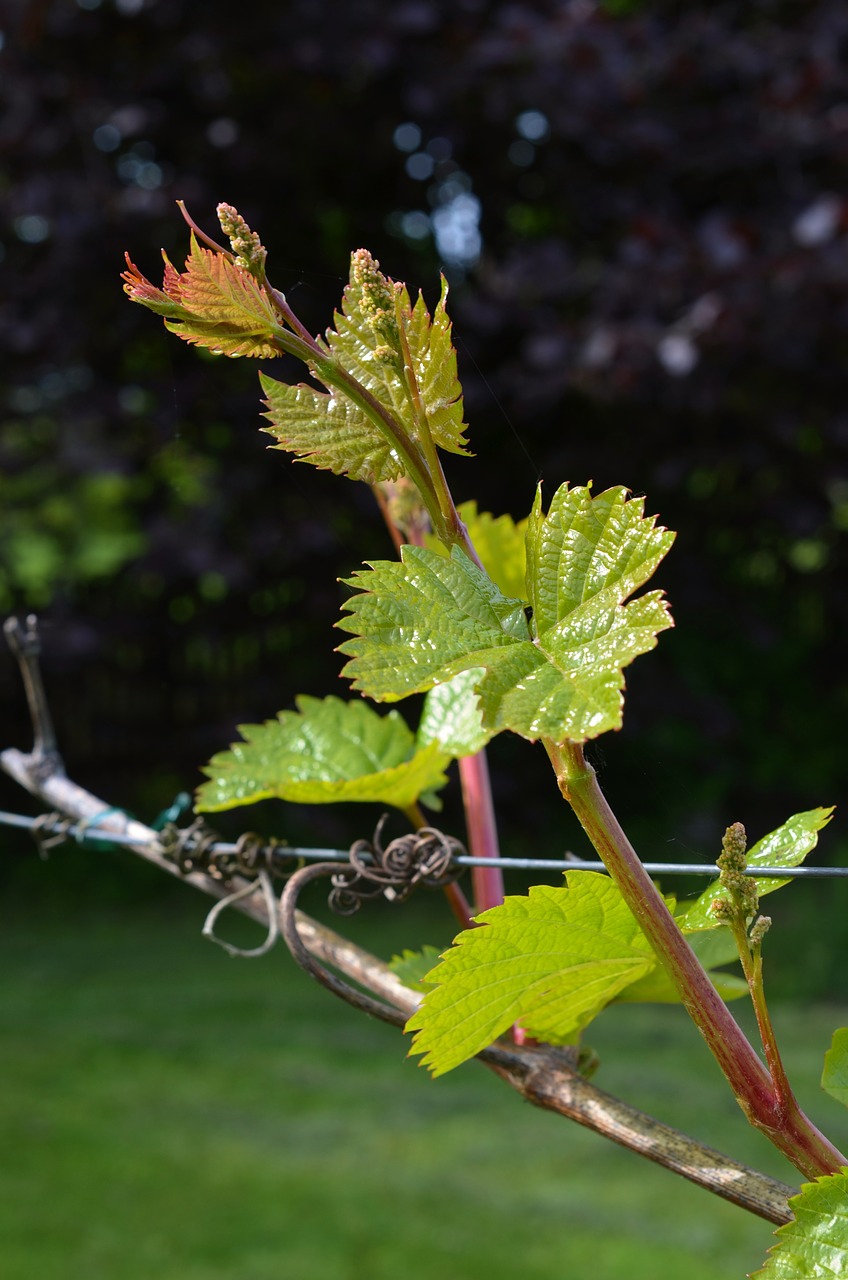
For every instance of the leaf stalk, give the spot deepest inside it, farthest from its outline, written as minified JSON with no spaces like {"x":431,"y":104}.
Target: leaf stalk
{"x":752,"y":967}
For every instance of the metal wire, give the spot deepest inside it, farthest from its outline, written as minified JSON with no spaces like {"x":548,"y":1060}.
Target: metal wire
{"x":85,"y":833}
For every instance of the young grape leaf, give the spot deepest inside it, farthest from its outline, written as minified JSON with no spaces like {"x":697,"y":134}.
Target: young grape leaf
{"x":835,"y":1075}
{"x":329,"y":431}
{"x":367,"y":342}
{"x":500,"y":544}
{"x":551,"y":960}
{"x":451,"y":716}
{"x":411,"y":967}
{"x":420,"y":622}
{"x":213,"y":304}
{"x":326,"y":751}
{"x":786,"y":847}
{"x":815,"y":1243}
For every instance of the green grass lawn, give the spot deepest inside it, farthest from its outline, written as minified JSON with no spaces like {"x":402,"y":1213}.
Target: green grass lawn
{"x":168,"y":1112}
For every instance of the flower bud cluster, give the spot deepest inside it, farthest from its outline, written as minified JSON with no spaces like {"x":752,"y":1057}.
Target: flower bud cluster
{"x":758,"y":931}
{"x":246,"y":245}
{"x":742,"y":894}
{"x":377,"y":303}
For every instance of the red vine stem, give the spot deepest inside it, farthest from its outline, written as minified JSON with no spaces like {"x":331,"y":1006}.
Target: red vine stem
{"x":482,"y":830}
{"x":780,"y":1118}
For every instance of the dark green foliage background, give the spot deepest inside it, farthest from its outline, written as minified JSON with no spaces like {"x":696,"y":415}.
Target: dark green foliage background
{"x":686,"y":193}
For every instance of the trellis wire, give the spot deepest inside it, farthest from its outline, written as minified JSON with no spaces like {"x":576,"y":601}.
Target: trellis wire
{"x":85,"y":833}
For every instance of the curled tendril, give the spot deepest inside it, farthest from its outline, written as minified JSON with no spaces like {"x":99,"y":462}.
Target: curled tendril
{"x":425,"y":857}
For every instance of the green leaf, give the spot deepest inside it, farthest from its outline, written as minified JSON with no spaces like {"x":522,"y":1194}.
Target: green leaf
{"x":551,"y":960}
{"x":329,"y":431}
{"x":420,"y":622}
{"x":786,"y":847}
{"x":366,"y":342}
{"x":424,"y":620}
{"x":500,"y":544}
{"x":815,"y":1243}
{"x":835,"y":1075}
{"x":326,"y":751}
{"x":451,"y":716}
{"x":412,"y":967}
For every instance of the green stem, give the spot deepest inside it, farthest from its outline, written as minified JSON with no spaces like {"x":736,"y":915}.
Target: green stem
{"x":283,"y":309}
{"x":752,"y":967}
{"x":449,"y":528}
{"x":787,"y":1128}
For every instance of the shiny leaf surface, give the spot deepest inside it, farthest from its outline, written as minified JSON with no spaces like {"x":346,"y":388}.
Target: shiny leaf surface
{"x":713,"y":948}
{"x":329,"y":431}
{"x":326,"y":751}
{"x":560,"y":676}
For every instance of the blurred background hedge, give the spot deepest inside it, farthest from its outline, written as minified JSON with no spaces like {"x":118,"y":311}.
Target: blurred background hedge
{"x":640,"y":211}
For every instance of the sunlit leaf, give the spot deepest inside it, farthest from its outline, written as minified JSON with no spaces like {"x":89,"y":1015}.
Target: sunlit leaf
{"x":786,"y":847}
{"x":326,"y":751}
{"x":815,"y":1243}
{"x":329,"y":431}
{"x":835,"y":1075}
{"x":559,"y":676}
{"x":551,"y":960}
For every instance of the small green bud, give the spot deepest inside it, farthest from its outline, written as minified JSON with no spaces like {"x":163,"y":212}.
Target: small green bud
{"x":758,"y":930}
{"x":245,"y":244}
{"x":722,"y":909}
